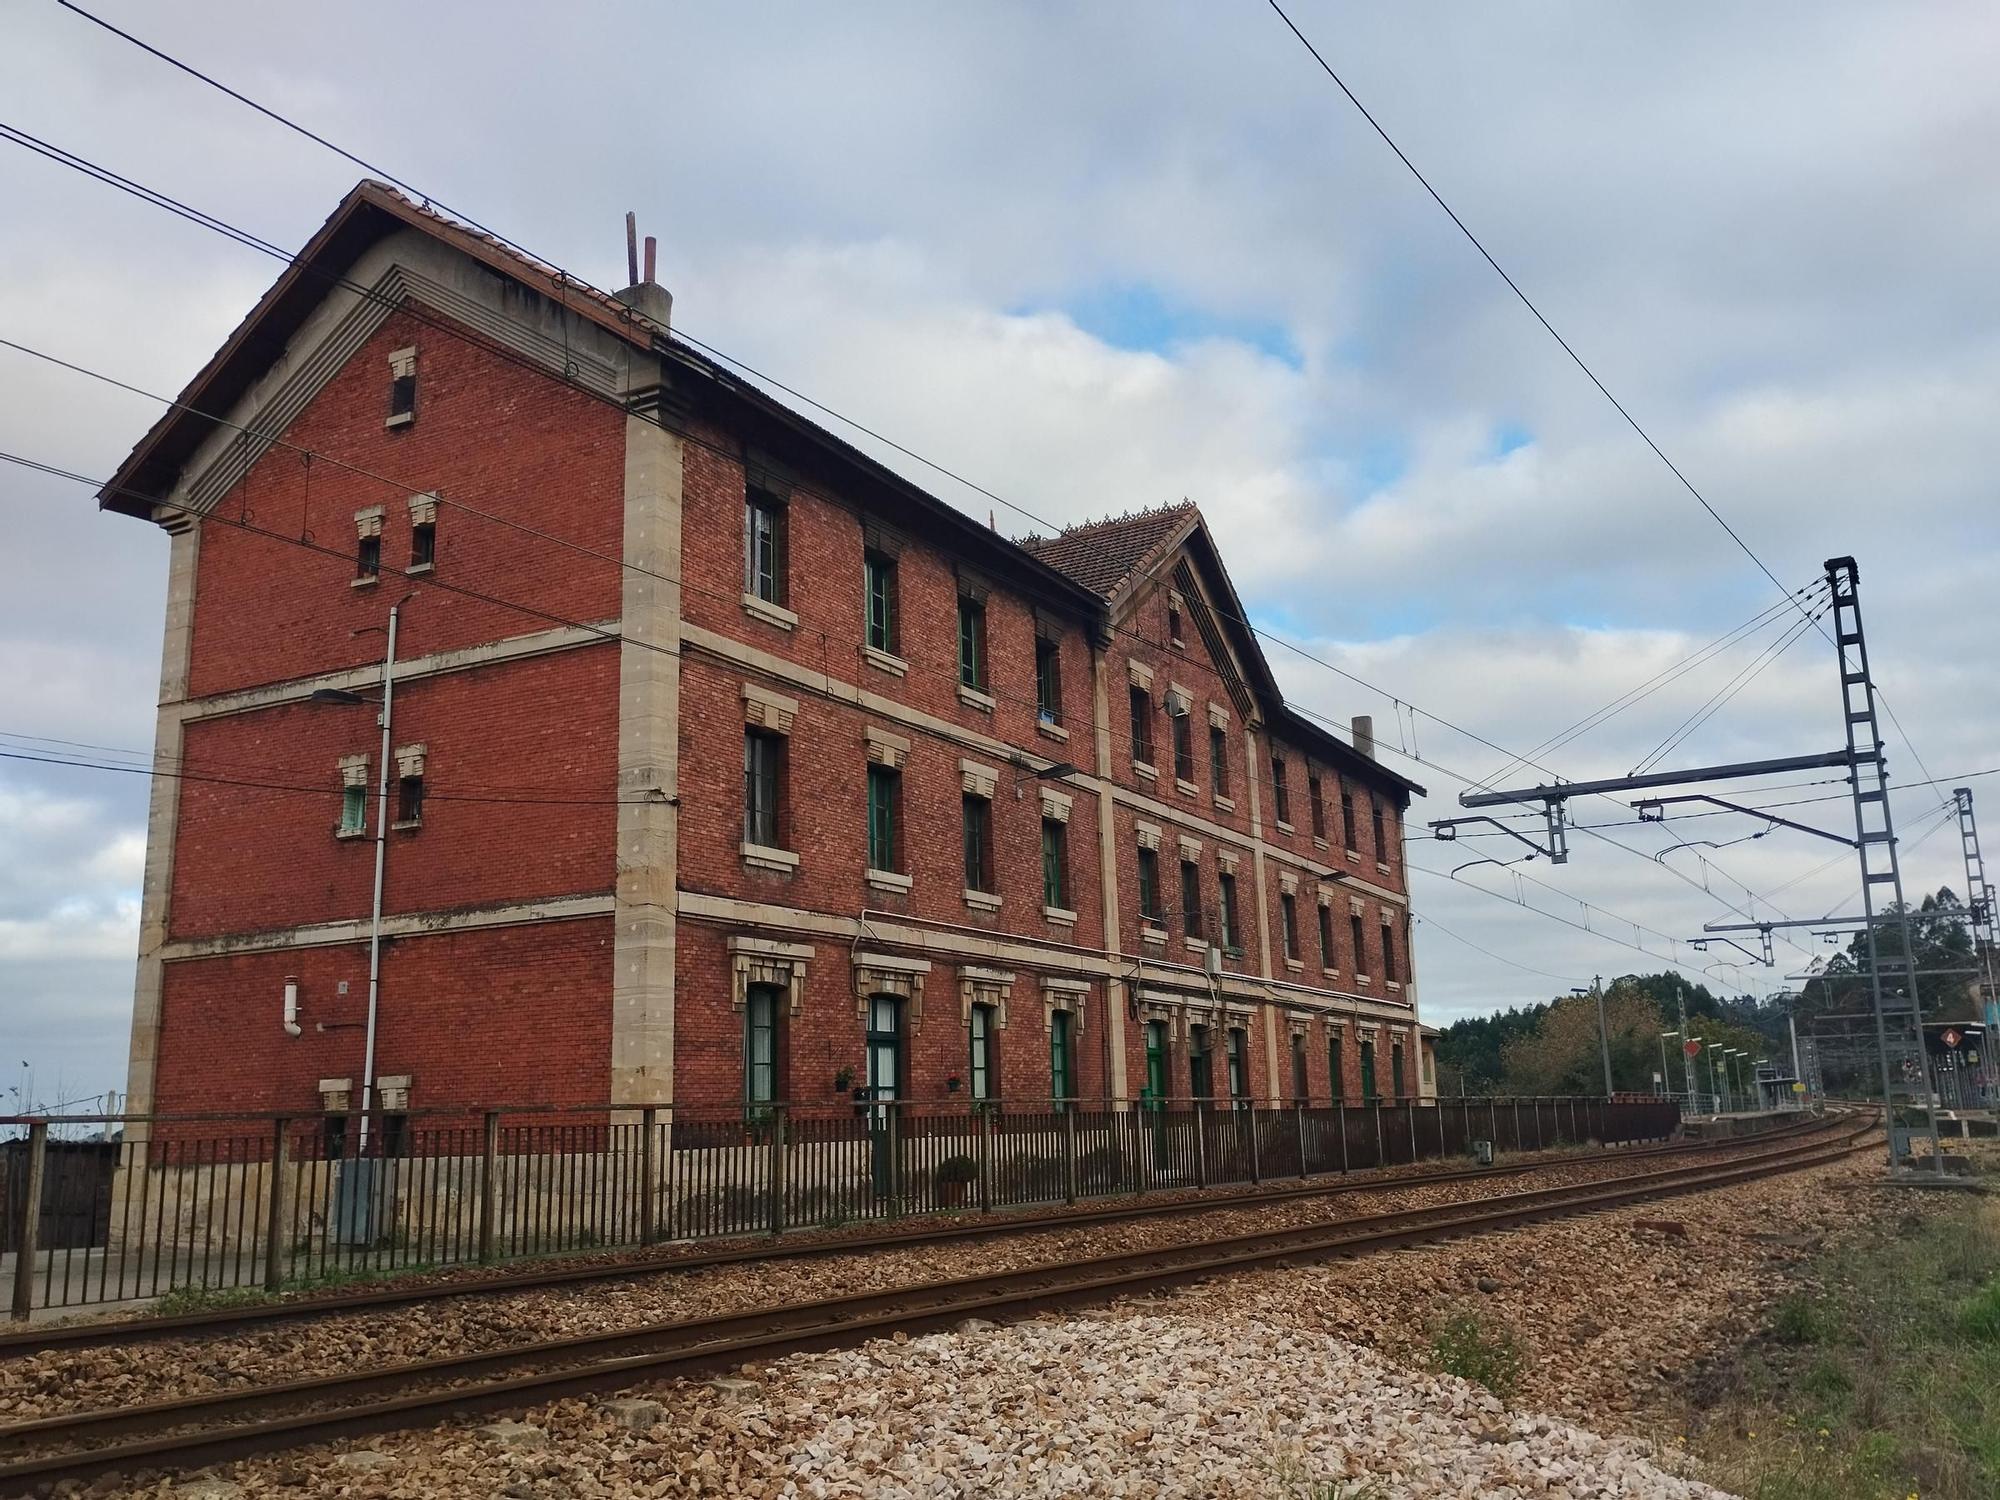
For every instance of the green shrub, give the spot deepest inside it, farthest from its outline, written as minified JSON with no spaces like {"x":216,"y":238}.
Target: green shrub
{"x":959,"y":1168}
{"x":1979,"y":1314}
{"x":181,"y":1301}
{"x":1463,"y":1345}
{"x":1797,"y":1319}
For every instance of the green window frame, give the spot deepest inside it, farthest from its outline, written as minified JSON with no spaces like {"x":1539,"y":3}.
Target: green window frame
{"x":1201,"y":1064}
{"x":971,"y":642}
{"x":764,"y":546}
{"x":1055,"y":864}
{"x":1226,"y":886}
{"x":1236,"y":1041}
{"x":1191,"y":898}
{"x":878,"y":582}
{"x":763,"y":778}
{"x":1336,"y":1080}
{"x":353,"y":809}
{"x":1396,"y":1068}
{"x":1156,"y":1060}
{"x":884,"y":792}
{"x":1288,"y":911}
{"x":1149,"y":883}
{"x":977,"y":815}
{"x":1062,"y":1075}
{"x":760,"y":1044}
{"x":1218,"y":758}
{"x":1048,"y":680}
{"x":980,"y":1061}
{"x":1368,"y":1093}
{"x":1301,"y":1082}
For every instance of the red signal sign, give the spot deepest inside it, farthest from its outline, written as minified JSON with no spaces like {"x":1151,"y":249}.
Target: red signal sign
{"x":1691,"y":1047}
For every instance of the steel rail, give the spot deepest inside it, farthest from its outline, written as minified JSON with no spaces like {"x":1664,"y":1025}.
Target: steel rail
{"x":726,"y":1340}
{"x":121,"y":1332}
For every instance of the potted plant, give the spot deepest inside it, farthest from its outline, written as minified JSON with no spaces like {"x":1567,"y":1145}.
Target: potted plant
{"x":954,"y":1175}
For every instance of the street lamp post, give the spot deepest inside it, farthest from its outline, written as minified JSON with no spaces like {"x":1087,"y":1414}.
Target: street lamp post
{"x":1666,"y":1083}
{"x":1596,"y":990}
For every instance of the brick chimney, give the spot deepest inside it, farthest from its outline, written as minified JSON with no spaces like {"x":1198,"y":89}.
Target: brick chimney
{"x":1364,"y":734}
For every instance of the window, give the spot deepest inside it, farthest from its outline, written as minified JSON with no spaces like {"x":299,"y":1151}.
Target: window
{"x":1062,"y":1077}
{"x":1375,"y":820}
{"x":764,"y":546}
{"x":971,"y":642}
{"x":1301,"y":1088}
{"x":1055,"y":863}
{"x":1201,"y":1075}
{"x":1149,"y":884}
{"x":1218,"y":758}
{"x":1318,"y":804}
{"x":1173,"y":622}
{"x":1288,"y":909}
{"x":1396,"y":1069}
{"x":760,"y":1044}
{"x":1239,"y":1066}
{"x":1156,"y":1060}
{"x":982,"y":1070}
{"x":1326,"y":958}
{"x":763,"y":784}
{"x":978,"y":843}
{"x":878,"y":587}
{"x":1336,"y":1080}
{"x":1354,"y":932}
{"x":1142,"y":725}
{"x":1389,"y":952}
{"x":368,"y":557}
{"x":1347,"y":817}
{"x":410,"y":800}
{"x":423,"y":544}
{"x":1281,"y":797}
{"x":1368,"y":1092}
{"x":402,"y":388}
{"x":1183,"y":745}
{"x":885,"y":790}
{"x":1231,"y":939}
{"x":1048,"y":681}
{"x":1191,"y":897}
{"x":353,"y":809}
{"x":333,"y":1137}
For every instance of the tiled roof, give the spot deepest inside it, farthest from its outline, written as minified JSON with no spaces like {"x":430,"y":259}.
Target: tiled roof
{"x":1101,"y":555}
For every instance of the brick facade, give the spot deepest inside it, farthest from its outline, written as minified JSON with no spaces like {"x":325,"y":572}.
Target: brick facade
{"x":509,"y":902}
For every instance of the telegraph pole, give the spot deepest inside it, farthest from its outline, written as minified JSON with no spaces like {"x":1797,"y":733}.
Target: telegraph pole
{"x":1603,"y":1032}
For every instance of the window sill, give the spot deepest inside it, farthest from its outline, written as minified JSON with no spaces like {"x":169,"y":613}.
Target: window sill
{"x":1380,"y":868}
{"x":1178,"y":644}
{"x":973,"y":697}
{"x":1282,"y":826}
{"x":1186,"y":788}
{"x":1052,"y":731}
{"x":763,"y":857}
{"x":1144,"y":771}
{"x":884,"y":661}
{"x":1148,"y":934}
{"x":1296,"y":965}
{"x":1394,"y":984}
{"x":415,"y":568}
{"x":1195,"y":945}
{"x":1354,"y":856}
{"x":981,"y":900}
{"x":350,"y":833}
{"x":400,"y":419}
{"x":364,"y":583}
{"x":887,"y":880}
{"x":1060,"y":916}
{"x":1226,"y":804}
{"x":1318,"y":842}
{"x":769,"y":613}
{"x":1330,"y":973}
{"x":1361,"y":979}
{"x":407,"y":823}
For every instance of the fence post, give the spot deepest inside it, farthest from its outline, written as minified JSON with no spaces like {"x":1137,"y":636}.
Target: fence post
{"x":489,"y":1168}
{"x":31,"y":1222}
{"x":274,"y":1203}
{"x":1200,"y":1147}
{"x":1069,"y":1153}
{"x":895,"y":1108}
{"x":780,"y":1159}
{"x":1340,"y":1113}
{"x":649,"y":1207}
{"x":1299,"y":1117}
{"x":1410,"y":1104}
{"x":1256,"y":1166}
{"x":986,"y":1158}
{"x":1381,"y":1150}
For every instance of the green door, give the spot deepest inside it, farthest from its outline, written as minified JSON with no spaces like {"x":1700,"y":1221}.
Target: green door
{"x":1368,"y":1072}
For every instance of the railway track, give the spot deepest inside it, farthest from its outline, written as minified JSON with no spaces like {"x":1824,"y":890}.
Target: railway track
{"x":192,"y":1432}
{"x":124,"y":1332}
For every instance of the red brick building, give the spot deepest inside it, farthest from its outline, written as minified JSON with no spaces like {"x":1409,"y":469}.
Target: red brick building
{"x":725,"y":763}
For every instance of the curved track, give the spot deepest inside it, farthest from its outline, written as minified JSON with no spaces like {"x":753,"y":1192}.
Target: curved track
{"x":190,"y":1432}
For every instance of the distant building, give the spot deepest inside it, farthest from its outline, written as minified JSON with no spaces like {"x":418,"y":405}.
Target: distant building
{"x":726,"y":765}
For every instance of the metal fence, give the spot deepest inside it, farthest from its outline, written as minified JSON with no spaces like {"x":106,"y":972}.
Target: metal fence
{"x":138,"y":1207}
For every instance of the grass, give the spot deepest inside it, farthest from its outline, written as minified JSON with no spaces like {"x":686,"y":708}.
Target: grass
{"x":182,"y":1301}
{"x":1466,"y":1345}
{"x":1881,"y":1382}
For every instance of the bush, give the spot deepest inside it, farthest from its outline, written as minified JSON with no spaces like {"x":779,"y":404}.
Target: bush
{"x":1464,"y":1346}
{"x":1797,"y":1319}
{"x":959,"y":1168}
{"x":181,"y":1301}
{"x":1979,"y":1314}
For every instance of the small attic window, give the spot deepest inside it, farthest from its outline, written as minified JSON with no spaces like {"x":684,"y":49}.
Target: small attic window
{"x":1174,"y":636}
{"x":402,"y":388}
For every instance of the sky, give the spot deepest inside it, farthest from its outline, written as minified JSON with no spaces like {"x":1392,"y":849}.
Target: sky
{"x":1099,"y":258}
